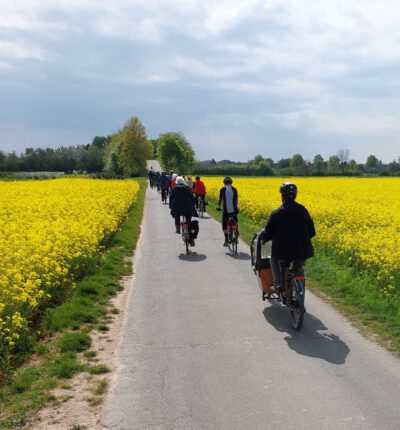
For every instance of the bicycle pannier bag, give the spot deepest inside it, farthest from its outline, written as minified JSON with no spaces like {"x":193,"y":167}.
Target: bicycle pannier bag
{"x":194,"y":229}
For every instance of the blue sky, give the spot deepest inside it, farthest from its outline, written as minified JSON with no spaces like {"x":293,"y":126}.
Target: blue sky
{"x":238,"y":78}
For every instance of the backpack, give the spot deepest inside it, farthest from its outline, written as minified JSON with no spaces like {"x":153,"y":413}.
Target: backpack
{"x":194,"y":229}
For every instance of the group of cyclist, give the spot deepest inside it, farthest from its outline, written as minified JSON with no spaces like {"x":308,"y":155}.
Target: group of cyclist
{"x":289,"y":227}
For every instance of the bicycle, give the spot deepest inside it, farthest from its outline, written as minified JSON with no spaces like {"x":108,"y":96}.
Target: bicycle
{"x":185,"y":234}
{"x":164,"y":194}
{"x":201,"y":208}
{"x":232,"y":230}
{"x":292,"y":296}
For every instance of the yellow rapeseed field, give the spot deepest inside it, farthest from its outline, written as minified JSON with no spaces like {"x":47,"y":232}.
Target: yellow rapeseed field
{"x":356,"y":218}
{"x":49,"y":231}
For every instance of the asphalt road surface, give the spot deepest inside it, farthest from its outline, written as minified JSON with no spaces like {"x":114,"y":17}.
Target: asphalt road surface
{"x":201,"y":350}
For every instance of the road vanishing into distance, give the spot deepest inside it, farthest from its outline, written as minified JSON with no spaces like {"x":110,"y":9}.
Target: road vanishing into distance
{"x":200,"y":350}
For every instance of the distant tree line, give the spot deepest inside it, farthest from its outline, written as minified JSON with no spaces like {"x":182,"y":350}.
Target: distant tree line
{"x":121,"y":154}
{"x":87,"y":158}
{"x":339,"y":164}
{"x":125,"y":152}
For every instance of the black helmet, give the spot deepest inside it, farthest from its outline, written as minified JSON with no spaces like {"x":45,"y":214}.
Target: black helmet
{"x":197,"y":178}
{"x":289,"y":190}
{"x":228,"y":180}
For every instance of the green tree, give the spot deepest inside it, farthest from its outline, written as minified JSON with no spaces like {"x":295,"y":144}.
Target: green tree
{"x":128,"y":150}
{"x":2,"y":161}
{"x":298,"y":165}
{"x":175,"y":152}
{"x":353,"y":167}
{"x":372,"y":163}
{"x":100,"y":141}
{"x":12,"y":162}
{"x":318,"y":165}
{"x":393,"y":167}
{"x":333,"y":165}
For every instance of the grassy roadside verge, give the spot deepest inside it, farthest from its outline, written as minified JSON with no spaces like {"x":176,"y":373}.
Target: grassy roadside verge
{"x":64,"y":350}
{"x":354,"y":294}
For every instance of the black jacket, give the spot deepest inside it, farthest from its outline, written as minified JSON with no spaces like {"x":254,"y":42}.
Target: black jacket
{"x":222,"y":199}
{"x":290,"y":228}
{"x":182,"y":202}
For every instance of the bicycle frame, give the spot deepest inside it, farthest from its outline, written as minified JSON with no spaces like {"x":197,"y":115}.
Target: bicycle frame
{"x":233,"y":234}
{"x":292,"y":295}
{"x":185,"y":234}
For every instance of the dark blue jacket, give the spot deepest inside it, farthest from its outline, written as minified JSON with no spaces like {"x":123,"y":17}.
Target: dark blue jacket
{"x":164,"y":181}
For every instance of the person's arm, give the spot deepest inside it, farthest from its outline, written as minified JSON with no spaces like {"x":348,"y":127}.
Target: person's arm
{"x":171,"y":198}
{"x":191,"y":196}
{"x":221,"y":196}
{"x":310,"y":225}
{"x":266,"y":234}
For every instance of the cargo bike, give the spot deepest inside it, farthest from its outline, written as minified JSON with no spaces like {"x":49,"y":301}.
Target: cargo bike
{"x":293,"y":292}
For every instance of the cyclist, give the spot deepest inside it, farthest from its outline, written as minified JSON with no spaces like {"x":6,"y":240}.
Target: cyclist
{"x":199,"y":190}
{"x":290,"y":227}
{"x":164,"y":184}
{"x":173,"y":180}
{"x":151,"y":176}
{"x":189,"y":182}
{"x":228,"y":196}
{"x":181,"y":203}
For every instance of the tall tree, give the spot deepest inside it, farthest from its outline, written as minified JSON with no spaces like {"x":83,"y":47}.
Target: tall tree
{"x":353,"y":167}
{"x":175,"y":152}
{"x":318,"y":165}
{"x":372,"y":163}
{"x":344,"y":156}
{"x":333,"y":165}
{"x":298,"y":165}
{"x":128,"y":150}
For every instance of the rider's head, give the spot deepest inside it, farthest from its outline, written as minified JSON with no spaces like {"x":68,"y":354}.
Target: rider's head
{"x":228,"y":180}
{"x":180,"y":180}
{"x":288,"y":191}
{"x":197,"y":178}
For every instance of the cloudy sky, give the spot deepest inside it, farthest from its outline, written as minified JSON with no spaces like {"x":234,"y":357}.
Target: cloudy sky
{"x":237,"y":77}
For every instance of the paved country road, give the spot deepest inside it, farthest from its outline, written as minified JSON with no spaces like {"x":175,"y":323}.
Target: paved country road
{"x":200,"y":350}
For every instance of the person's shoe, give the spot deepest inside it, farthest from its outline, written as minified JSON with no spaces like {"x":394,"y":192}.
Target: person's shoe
{"x":191,"y":242}
{"x":276,"y":288}
{"x":226,"y":243}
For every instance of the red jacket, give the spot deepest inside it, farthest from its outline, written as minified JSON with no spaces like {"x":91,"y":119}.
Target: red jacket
{"x":199,"y":188}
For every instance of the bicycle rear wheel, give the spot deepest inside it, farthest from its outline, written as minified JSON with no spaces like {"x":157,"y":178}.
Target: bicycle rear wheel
{"x":187,"y":247}
{"x":296,"y":304}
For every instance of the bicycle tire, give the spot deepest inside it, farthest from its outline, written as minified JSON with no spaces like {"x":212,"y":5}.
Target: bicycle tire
{"x":296,"y":305}
{"x":201,"y":208}
{"x":234,"y":247}
{"x":187,"y":246}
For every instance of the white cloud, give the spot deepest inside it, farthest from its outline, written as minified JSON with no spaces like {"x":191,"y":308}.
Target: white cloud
{"x":325,"y":67}
{"x":337,"y":123}
{"x":21,"y":51}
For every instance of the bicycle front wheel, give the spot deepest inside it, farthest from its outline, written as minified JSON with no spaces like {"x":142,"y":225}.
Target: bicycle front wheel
{"x":296,"y":304}
{"x":187,"y":247}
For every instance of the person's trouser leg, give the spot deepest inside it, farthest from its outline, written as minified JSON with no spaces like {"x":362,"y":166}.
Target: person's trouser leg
{"x":276,"y":272}
{"x":225,"y":218}
{"x":178,"y":223}
{"x":298,"y":267}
